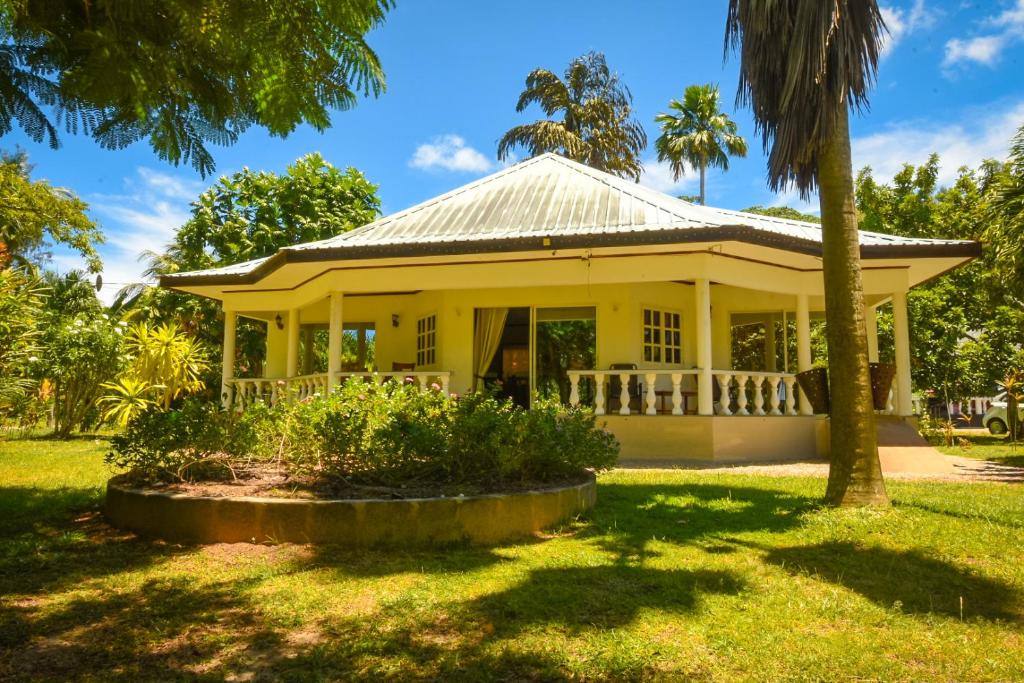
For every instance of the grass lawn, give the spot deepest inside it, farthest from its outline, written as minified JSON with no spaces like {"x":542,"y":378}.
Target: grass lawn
{"x":985,"y":446}
{"x":676,"y":574}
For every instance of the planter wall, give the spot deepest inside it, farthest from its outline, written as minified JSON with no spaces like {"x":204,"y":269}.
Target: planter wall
{"x":483,"y":519}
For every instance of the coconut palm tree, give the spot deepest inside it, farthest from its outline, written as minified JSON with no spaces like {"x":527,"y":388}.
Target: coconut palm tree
{"x":803,"y":64}
{"x":698,"y":133}
{"x":593,"y":125}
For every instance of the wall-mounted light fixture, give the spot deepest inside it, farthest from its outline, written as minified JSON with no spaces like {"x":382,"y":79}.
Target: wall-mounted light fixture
{"x":279,"y":321}
{"x":394,"y":320}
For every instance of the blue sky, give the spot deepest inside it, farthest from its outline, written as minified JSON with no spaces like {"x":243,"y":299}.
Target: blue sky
{"x":950,"y":82}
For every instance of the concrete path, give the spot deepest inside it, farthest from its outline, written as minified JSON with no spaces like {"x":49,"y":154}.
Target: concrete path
{"x":901,"y":450}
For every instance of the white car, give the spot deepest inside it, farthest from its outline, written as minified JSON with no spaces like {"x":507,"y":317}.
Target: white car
{"x":994,"y":418}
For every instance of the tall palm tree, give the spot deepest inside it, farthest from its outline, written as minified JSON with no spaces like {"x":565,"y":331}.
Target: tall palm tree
{"x":698,"y":133}
{"x":803,"y":64}
{"x":594,"y":124}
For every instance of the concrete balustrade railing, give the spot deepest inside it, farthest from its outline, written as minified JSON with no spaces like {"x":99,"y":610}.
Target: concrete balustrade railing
{"x":755,"y":393}
{"x":648,"y":382}
{"x":244,"y":391}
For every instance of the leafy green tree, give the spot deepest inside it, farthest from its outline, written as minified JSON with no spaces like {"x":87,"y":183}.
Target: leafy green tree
{"x":80,"y":354}
{"x":184,"y":73}
{"x":802,"y":66}
{"x":783,"y":212}
{"x":966,"y":328}
{"x":33,"y":210}
{"x":590,"y":118}
{"x":20,"y":306}
{"x":698,"y":133}
{"x":245,"y":216}
{"x":1006,"y":218}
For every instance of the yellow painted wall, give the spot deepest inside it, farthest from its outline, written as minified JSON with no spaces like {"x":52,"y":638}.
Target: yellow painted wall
{"x":619,"y":321}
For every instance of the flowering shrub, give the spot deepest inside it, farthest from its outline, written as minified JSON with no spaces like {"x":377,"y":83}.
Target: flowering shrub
{"x":80,"y":355}
{"x":389,"y":434}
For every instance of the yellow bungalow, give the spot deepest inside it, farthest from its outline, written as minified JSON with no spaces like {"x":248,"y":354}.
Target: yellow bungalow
{"x":551,"y":277}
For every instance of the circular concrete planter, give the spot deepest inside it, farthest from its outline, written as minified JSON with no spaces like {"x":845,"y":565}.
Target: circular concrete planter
{"x":485,"y":519}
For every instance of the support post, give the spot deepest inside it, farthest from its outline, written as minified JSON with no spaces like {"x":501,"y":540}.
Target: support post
{"x":335,"y":330}
{"x":292,"y":364}
{"x":770,"y":364}
{"x":705,"y":397}
{"x":803,"y":345}
{"x":901,"y":337}
{"x":307,"y":351}
{"x":227,"y":371}
{"x":871,"y":323}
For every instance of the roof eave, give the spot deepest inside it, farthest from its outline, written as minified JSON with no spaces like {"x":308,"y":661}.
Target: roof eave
{"x":689,"y":235}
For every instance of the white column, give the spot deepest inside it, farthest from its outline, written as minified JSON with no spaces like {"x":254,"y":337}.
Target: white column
{"x":227,"y":371}
{"x":770,"y":364}
{"x":803,"y":345}
{"x":292,"y":364}
{"x":871,"y":323}
{"x":705,"y":402}
{"x":335,"y":331}
{"x":901,"y":337}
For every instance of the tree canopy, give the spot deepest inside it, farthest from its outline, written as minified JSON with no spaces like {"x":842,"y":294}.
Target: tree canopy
{"x":698,"y":133}
{"x":245,"y":216}
{"x":594,"y":124}
{"x":252,"y":214}
{"x":33,"y":212}
{"x":182,"y":74}
{"x":787,"y":212}
{"x":967,"y":327}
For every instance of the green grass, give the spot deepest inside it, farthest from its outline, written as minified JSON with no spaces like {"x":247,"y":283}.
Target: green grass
{"x":984,"y":446}
{"x":675,"y":575}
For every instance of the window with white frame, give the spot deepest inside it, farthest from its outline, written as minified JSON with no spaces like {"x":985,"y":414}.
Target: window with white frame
{"x":426,"y":340}
{"x":662,"y":338}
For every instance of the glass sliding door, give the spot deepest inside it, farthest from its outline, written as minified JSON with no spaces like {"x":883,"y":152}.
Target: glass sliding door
{"x":564,"y":339}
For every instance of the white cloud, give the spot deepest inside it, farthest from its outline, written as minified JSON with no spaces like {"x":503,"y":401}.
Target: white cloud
{"x":145,"y":216}
{"x":1005,"y":28}
{"x":658,"y":176}
{"x":450,"y":153}
{"x":957,"y":144}
{"x":902,"y":22}
{"x":982,"y":49}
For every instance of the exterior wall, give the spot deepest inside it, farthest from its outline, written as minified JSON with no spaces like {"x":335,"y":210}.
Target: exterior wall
{"x":665,"y":438}
{"x":619,"y":321}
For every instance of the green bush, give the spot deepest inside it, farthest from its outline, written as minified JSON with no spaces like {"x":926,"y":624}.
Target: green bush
{"x":389,"y":434}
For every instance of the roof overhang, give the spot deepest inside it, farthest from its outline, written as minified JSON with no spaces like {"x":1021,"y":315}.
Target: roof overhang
{"x":961,"y":251}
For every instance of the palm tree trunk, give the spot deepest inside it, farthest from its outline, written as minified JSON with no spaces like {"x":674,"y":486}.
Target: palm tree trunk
{"x":702,"y":171}
{"x":855,"y":475}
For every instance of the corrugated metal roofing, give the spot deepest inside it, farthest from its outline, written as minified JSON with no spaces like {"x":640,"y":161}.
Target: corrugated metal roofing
{"x":550,"y":196}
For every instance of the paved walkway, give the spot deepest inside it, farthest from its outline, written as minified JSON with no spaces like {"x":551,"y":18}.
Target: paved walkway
{"x":901,"y":450}
{"x":946,"y":468}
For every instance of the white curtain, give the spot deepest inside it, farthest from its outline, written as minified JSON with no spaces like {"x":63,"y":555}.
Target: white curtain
{"x":489,"y":326}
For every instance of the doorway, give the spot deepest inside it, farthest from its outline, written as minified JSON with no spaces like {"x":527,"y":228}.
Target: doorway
{"x":565,"y":338}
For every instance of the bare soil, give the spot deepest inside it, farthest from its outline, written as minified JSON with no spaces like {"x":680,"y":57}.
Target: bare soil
{"x":267,"y":481}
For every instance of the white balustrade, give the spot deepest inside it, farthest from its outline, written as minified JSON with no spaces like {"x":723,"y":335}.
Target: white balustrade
{"x":749,"y":391}
{"x":245,"y":391}
{"x":649,"y":382}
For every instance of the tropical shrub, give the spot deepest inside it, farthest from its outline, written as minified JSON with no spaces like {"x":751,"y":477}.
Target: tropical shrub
{"x":196,"y":441}
{"x":80,"y":355}
{"x":389,"y":434}
{"x":167,"y":359}
{"x":20,"y":301}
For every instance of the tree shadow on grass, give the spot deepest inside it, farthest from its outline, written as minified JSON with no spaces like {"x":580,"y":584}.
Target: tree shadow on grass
{"x":908,"y":579}
{"x":629,"y":517}
{"x":164,"y":630}
{"x":53,"y":538}
{"x":600,"y":597}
